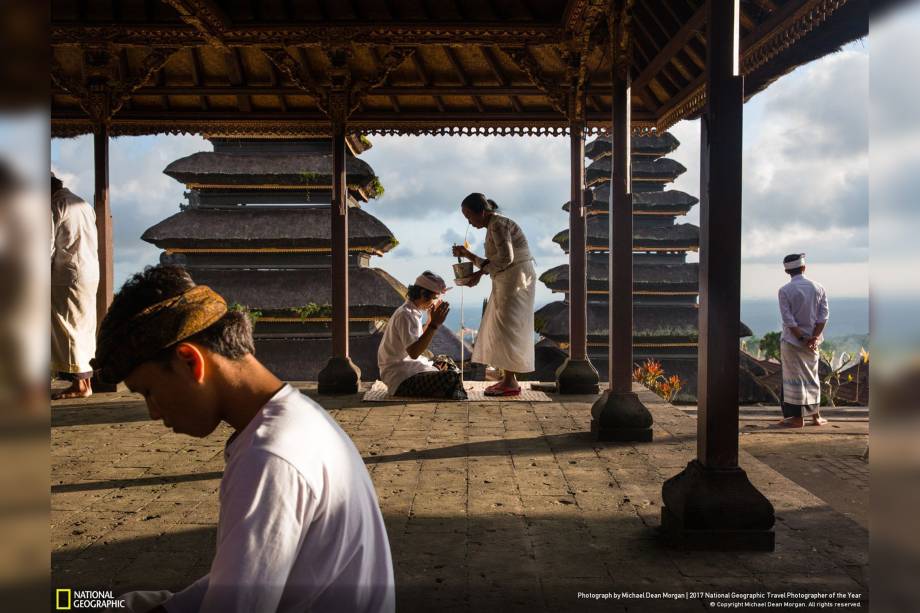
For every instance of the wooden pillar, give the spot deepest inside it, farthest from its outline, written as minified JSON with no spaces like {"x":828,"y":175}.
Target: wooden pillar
{"x":340,"y":375}
{"x":619,"y":415}
{"x":105,"y":247}
{"x":577,"y":375}
{"x":103,"y":212}
{"x":339,"y":217}
{"x":711,"y":504}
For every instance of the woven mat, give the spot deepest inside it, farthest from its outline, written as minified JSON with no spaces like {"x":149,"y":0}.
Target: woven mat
{"x":474,"y":389}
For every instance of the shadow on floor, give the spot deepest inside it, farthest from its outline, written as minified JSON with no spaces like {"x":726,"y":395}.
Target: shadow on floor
{"x":136,"y":482}
{"x":537,"y":444}
{"x":517,"y":563}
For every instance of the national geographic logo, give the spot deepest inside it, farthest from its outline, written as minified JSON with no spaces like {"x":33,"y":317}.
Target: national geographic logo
{"x":67,"y":599}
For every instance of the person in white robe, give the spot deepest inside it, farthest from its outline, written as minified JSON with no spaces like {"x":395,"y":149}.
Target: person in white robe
{"x":804,"y":311}
{"x":505,"y":338}
{"x":74,"y":280}
{"x":299,"y":527}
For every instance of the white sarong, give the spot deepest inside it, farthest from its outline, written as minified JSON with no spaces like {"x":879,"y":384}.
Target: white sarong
{"x":505,"y":338}
{"x":801,"y":384}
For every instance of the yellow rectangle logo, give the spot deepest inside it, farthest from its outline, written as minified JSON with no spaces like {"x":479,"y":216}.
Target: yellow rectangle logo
{"x":62,"y":594}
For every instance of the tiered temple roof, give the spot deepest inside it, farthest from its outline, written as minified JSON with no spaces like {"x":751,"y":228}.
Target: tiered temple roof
{"x":257,"y":230}
{"x":659,"y":236}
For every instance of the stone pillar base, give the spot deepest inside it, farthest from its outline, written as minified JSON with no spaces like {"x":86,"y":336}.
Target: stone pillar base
{"x":339,"y":376}
{"x":577,"y":377}
{"x":716,"y":509}
{"x":621,"y":417}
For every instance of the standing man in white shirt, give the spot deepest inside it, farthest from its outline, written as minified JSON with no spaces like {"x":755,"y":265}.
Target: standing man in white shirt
{"x":300,"y":528}
{"x":403,"y":368}
{"x":804,"y":311}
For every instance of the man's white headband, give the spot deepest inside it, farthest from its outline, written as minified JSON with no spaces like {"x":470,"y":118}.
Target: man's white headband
{"x":795,"y":263}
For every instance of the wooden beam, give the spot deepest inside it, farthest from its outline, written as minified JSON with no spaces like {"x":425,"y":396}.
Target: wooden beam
{"x":407,"y":33}
{"x":206,"y":16}
{"x":674,"y":44}
{"x":500,"y":76}
{"x":426,"y":80}
{"x":237,"y":79}
{"x":464,"y":79}
{"x":578,"y":288}
{"x":198,"y":77}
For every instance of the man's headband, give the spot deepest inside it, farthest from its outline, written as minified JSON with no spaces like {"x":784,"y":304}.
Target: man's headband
{"x":121,"y":349}
{"x":795,"y":263}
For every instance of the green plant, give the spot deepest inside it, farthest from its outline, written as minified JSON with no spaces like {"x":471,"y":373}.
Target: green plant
{"x":312,"y":310}
{"x":831,"y":382}
{"x":254,"y":315}
{"x":652,"y":375}
{"x":376,"y":189}
{"x":309,"y":177}
{"x":770,"y":345}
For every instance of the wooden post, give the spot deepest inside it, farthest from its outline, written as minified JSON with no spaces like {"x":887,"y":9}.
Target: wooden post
{"x":340,"y":375}
{"x":103,"y":210}
{"x":105,"y":247}
{"x":619,"y":415}
{"x":711,"y":504}
{"x":577,"y":375}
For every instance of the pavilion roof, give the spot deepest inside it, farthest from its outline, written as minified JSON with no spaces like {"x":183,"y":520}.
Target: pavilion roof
{"x":258,"y":229}
{"x":232,"y":68}
{"x":372,"y":292}
{"x":647,"y":278}
{"x":675,"y":237}
{"x":666,"y":202}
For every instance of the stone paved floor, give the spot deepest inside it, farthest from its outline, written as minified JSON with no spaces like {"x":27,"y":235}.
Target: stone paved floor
{"x":487,"y":505}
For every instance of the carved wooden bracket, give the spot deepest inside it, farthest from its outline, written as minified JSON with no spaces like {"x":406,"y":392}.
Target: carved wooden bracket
{"x":341,"y":95}
{"x":293,"y":69}
{"x":557,"y":93}
{"x":207,"y":17}
{"x":102,"y":92}
{"x":620,"y":25}
{"x":390,"y":62}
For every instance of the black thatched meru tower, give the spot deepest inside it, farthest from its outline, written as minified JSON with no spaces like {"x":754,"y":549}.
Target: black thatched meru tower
{"x":665,"y":285}
{"x":256,"y":230}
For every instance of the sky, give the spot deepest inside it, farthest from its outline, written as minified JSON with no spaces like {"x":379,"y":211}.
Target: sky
{"x":805,"y":185}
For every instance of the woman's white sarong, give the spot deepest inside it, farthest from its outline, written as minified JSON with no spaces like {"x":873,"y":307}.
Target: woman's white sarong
{"x":505,"y":338}
{"x":801,"y":383}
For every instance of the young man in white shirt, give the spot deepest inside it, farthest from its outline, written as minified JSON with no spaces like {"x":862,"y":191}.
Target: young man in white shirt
{"x":403,"y":368}
{"x":299,"y":528}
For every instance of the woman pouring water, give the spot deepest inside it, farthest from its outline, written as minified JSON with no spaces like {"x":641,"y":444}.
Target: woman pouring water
{"x":505,"y":339}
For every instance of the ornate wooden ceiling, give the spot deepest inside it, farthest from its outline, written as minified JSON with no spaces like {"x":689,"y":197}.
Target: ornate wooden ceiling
{"x":284,"y":67}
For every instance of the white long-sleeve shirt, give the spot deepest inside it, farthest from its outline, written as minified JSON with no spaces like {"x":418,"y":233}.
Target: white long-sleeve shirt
{"x":300,"y":528}
{"x":802,"y":304}
{"x":505,"y":245}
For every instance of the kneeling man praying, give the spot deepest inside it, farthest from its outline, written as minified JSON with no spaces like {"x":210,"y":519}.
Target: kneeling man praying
{"x":403,"y":368}
{"x":299,"y":528}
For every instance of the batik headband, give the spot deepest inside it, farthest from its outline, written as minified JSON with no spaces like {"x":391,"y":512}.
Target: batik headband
{"x":121,"y":349}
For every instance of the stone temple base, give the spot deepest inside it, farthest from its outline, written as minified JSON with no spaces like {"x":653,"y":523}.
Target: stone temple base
{"x":716,"y":509}
{"x":577,"y":377}
{"x":621,"y":417}
{"x":340,"y":376}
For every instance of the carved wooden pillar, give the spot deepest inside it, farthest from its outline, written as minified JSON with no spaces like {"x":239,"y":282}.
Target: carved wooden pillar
{"x":340,"y":375}
{"x":577,"y":375}
{"x":711,"y":504}
{"x":619,"y":415}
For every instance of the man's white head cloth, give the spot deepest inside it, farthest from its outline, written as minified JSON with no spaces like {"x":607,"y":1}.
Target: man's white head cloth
{"x":797,"y":263}
{"x":431,"y":282}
